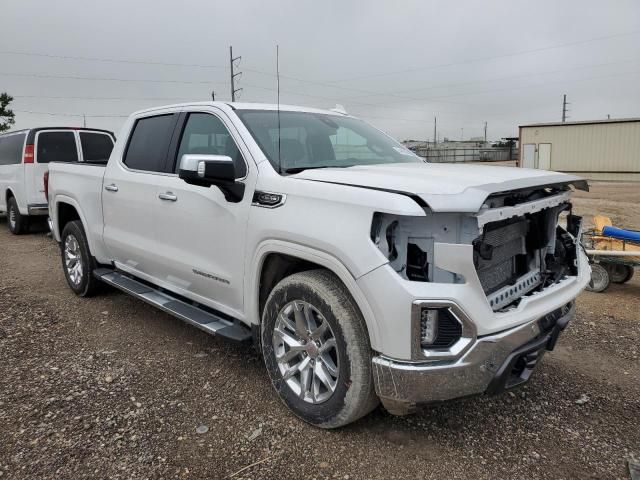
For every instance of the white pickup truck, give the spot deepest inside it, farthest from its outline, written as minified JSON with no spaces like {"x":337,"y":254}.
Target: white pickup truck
{"x":361,"y":273}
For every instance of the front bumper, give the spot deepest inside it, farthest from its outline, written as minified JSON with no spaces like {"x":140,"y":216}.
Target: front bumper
{"x":493,"y":363}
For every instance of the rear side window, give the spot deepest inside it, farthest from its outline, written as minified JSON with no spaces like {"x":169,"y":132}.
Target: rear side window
{"x":96,"y":147}
{"x":11,"y":149}
{"x":205,"y":134}
{"x":149,"y":143}
{"x":56,"y":147}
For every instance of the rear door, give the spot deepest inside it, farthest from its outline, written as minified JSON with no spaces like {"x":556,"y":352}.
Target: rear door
{"x":129,"y":195}
{"x":95,"y":147}
{"x":49,"y":146}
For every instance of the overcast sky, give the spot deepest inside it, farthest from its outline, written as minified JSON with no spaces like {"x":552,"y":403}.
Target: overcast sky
{"x":396,"y":64}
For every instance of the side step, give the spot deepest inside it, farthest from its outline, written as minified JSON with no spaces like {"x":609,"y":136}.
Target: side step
{"x":198,"y":317}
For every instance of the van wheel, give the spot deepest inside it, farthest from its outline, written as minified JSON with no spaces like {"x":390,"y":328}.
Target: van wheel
{"x":77,"y":262}
{"x":18,"y":223}
{"x":317,"y":351}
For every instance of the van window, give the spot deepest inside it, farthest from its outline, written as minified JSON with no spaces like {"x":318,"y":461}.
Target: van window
{"x":56,"y":147}
{"x":11,"y":149}
{"x":149,"y":143}
{"x":96,"y":147}
{"x":205,"y":134}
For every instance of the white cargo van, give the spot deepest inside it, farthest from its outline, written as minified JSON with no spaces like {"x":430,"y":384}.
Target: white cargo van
{"x":24,"y":159}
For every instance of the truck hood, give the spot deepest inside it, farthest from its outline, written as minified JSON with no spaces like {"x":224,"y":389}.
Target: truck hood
{"x":444,"y":187}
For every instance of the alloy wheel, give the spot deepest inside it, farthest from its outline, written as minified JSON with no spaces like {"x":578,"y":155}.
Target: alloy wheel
{"x":306,"y":352}
{"x":73,"y":259}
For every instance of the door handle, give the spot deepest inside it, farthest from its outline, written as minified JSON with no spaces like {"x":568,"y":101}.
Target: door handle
{"x":168,"y":196}
{"x":112,"y":188}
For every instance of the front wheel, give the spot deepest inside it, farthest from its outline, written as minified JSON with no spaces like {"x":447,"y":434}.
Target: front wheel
{"x":316,"y":349}
{"x":77,"y":262}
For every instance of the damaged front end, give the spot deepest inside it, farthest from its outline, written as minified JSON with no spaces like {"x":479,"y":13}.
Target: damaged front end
{"x":519,"y":245}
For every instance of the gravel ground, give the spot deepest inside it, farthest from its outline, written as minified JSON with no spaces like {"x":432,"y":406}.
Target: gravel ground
{"x":111,"y":388}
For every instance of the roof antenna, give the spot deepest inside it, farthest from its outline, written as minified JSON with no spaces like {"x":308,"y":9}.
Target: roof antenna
{"x":278,"y":89}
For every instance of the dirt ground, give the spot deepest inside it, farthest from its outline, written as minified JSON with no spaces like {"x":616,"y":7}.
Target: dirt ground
{"x":109,"y":387}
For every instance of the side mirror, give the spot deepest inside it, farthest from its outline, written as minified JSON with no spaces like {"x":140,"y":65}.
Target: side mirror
{"x":207,"y":170}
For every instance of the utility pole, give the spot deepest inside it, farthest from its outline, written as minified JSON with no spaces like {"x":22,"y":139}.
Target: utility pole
{"x":485,"y":132}
{"x":213,"y":95}
{"x":435,"y":129}
{"x":564,"y":108}
{"x":233,"y":75}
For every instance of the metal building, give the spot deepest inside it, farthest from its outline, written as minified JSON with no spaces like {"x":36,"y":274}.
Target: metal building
{"x":597,"y":150}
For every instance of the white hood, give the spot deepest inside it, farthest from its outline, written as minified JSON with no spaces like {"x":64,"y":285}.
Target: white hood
{"x":444,"y":187}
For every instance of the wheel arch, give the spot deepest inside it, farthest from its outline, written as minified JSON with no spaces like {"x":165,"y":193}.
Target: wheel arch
{"x":311,"y":258}
{"x":65,"y":210}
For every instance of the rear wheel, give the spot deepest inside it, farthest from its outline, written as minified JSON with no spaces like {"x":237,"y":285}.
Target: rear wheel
{"x":619,"y":273}
{"x":18,"y":223}
{"x":599,"y":278}
{"x":77,"y":262}
{"x":316,"y":349}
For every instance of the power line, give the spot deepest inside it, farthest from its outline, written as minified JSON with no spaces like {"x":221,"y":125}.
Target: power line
{"x":66,"y":114}
{"x":512,"y":77}
{"x":483,"y":59}
{"x":109,"y":60}
{"x":73,"y":77}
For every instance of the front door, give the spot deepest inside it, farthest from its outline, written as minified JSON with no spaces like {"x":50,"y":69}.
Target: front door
{"x":129,"y":195}
{"x":201,"y":235}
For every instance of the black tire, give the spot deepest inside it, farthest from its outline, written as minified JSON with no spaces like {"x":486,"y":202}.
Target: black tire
{"x":354,"y":395}
{"x":599,"y":279}
{"x":619,"y":273}
{"x":18,"y":223}
{"x":86,"y":284}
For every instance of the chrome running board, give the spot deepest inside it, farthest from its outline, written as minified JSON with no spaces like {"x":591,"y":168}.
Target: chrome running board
{"x":196,"y":316}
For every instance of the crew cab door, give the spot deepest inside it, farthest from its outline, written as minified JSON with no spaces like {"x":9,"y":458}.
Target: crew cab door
{"x":200,"y":234}
{"x":129,"y":195}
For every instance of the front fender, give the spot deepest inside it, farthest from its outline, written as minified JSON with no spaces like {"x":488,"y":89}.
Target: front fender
{"x":252,"y":281}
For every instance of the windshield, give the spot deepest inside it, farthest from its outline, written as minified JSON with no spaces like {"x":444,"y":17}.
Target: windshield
{"x":314,"y":140}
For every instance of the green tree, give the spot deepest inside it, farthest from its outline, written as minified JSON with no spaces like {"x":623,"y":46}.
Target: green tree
{"x":7,"y":117}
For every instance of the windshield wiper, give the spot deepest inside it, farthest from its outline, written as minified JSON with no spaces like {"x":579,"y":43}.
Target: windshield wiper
{"x":302,"y":169}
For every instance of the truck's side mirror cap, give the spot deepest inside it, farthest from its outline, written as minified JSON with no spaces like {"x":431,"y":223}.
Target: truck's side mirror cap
{"x":207,"y":170}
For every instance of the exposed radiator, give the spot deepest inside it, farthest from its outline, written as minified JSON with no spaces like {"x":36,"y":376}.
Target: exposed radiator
{"x":495,"y":257}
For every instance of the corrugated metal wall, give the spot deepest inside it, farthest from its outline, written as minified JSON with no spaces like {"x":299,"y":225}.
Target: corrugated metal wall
{"x":599,"y":148}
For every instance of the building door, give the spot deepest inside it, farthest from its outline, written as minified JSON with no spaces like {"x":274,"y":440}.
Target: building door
{"x":529,"y":155}
{"x":544,"y":156}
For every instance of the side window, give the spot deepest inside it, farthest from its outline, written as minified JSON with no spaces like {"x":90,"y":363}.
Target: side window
{"x":11,"y":149}
{"x":149,"y":143}
{"x":205,"y":134}
{"x":56,"y":147}
{"x":96,"y":147}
